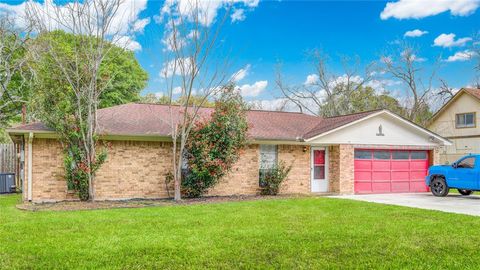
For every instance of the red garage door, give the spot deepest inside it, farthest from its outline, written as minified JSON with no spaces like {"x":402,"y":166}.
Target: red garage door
{"x":387,"y":171}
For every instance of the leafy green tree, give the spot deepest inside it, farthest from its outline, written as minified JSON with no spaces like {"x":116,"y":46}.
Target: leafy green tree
{"x":359,"y":100}
{"x":69,"y":90}
{"x":120,"y":70}
{"x":215,"y":144}
{"x":15,"y":75}
{"x":128,"y":80}
{"x":193,"y":100}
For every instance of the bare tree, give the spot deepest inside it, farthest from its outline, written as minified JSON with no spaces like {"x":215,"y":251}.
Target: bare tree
{"x":445,"y":92}
{"x":92,"y":22}
{"x":319,"y":94}
{"x":189,"y":68}
{"x":13,"y":64}
{"x":404,"y":64}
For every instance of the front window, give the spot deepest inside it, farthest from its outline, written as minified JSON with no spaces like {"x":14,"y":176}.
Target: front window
{"x":185,"y":168}
{"x":268,"y":156}
{"x":465,"y":120}
{"x":268,"y":159}
{"x":468,"y":163}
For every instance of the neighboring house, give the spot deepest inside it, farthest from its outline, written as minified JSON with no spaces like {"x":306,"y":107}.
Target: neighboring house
{"x":458,"y":121}
{"x":370,"y":152}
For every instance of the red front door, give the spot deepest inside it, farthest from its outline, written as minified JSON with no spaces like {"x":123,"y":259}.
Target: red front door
{"x":387,"y":171}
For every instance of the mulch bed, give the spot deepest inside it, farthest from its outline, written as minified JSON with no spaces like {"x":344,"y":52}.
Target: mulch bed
{"x":140,"y":203}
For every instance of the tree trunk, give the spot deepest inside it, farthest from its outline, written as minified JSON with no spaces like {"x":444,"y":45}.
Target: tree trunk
{"x":178,"y":194}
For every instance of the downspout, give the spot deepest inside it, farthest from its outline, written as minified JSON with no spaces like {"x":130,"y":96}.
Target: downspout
{"x":29,"y":169}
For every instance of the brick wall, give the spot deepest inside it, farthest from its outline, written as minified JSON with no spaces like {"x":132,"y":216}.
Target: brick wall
{"x":346,"y":169}
{"x":434,"y":156}
{"x":243,"y":178}
{"x":298,"y":180}
{"x":136,"y":169}
{"x":341,"y":169}
{"x":47,"y":172}
{"x":334,"y":169}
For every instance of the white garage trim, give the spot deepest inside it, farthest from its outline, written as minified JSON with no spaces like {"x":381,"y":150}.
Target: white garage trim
{"x":439,"y":140}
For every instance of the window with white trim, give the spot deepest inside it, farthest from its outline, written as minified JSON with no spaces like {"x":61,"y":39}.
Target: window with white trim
{"x":268,"y":156}
{"x":465,"y":120}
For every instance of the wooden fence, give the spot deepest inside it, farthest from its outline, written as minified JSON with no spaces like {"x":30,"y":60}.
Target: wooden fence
{"x":8,"y":160}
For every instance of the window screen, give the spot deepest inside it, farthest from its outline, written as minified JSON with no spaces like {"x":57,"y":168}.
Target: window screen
{"x":465,"y":120}
{"x":268,"y":156}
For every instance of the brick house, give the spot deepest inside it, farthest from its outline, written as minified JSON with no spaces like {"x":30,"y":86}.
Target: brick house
{"x":369,"y":152}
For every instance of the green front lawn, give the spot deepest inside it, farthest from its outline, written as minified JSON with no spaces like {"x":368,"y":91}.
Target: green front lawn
{"x":287,"y":233}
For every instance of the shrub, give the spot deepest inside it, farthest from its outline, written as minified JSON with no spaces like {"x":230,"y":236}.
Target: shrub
{"x":271,"y":179}
{"x":214,"y":144}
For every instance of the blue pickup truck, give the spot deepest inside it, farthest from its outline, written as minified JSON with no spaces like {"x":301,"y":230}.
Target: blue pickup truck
{"x":463,"y":175}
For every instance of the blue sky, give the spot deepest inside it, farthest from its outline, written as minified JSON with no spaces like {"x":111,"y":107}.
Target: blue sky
{"x":283,"y":31}
{"x":273,"y":32}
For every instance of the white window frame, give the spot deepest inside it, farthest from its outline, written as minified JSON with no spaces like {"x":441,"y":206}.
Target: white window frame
{"x":268,"y":149}
{"x":458,"y":124}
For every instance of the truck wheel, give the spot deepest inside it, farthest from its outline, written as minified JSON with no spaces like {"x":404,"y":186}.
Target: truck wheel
{"x":439,"y":187}
{"x":465,"y":192}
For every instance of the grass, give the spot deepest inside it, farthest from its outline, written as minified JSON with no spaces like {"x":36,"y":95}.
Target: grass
{"x":289,"y":233}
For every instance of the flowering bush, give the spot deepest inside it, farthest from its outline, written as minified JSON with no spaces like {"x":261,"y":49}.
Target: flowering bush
{"x":215,"y":144}
{"x":271,"y":179}
{"x":75,"y":159}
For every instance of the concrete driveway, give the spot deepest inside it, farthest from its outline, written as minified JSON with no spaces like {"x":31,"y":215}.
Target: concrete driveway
{"x":453,"y":203}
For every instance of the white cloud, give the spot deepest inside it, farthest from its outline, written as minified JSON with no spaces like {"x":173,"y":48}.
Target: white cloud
{"x":344,"y":79}
{"x":461,"y":56}
{"x":415,"y":33}
{"x":417,"y":9}
{"x":415,"y":58}
{"x":128,"y":43}
{"x":383,"y":85}
{"x":448,"y":40}
{"x":177,"y":90}
{"x":193,"y":34}
{"x":159,"y":94}
{"x":252,"y":90}
{"x":171,"y":42}
{"x":278,"y":104}
{"x":139,"y":25}
{"x":412,"y":57}
{"x":207,"y":9}
{"x":125,"y":22}
{"x":181,"y":66}
{"x":240,"y":74}
{"x":238,"y":15}
{"x":311,"y":79}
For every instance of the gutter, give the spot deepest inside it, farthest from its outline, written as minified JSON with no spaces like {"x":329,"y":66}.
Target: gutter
{"x":29,"y":169}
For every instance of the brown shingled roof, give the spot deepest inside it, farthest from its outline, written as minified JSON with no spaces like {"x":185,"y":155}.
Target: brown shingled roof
{"x":473,"y":91}
{"x":331,"y":123}
{"x":136,"y":119}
